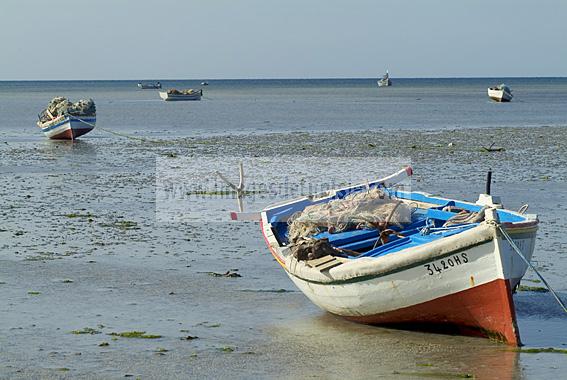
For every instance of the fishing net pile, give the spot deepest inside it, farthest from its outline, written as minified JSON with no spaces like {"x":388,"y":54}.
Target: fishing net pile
{"x":372,"y":209}
{"x":62,"y":106}
{"x":190,"y":91}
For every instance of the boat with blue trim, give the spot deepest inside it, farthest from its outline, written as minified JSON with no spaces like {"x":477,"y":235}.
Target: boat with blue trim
{"x":63,"y":120}
{"x":377,"y":254}
{"x":68,"y":127}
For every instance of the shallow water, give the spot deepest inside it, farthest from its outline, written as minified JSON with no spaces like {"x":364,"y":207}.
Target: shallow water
{"x":80,"y":246}
{"x":261,"y":106}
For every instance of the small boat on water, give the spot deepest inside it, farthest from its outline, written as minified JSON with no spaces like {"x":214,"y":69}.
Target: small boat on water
{"x":374,"y":254}
{"x":205,"y":83}
{"x":500,"y":93}
{"x":63,"y":120}
{"x":149,"y":86}
{"x":385,"y":81}
{"x":174,"y":95}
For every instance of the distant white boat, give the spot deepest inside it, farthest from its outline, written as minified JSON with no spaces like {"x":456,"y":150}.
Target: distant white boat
{"x":500,"y":93}
{"x":385,"y":81}
{"x":205,"y":83}
{"x":190,"y":94}
{"x":149,"y":86}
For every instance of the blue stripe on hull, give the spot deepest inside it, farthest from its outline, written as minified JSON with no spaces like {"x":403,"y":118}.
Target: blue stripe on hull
{"x":66,"y":120}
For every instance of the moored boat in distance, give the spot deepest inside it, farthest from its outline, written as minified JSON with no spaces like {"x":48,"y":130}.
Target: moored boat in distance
{"x":149,"y":86}
{"x":63,"y":120}
{"x":204,"y":83}
{"x":175,"y":95}
{"x":374,"y":254}
{"x":385,"y":81}
{"x":500,"y":93}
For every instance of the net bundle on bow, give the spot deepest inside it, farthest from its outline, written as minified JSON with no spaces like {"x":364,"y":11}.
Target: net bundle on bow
{"x":60,"y":105}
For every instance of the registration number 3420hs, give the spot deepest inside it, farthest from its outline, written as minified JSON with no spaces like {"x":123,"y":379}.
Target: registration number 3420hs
{"x":448,"y":263}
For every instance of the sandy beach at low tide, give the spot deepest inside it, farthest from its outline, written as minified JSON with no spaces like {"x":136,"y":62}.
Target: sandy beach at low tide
{"x":81,"y":251}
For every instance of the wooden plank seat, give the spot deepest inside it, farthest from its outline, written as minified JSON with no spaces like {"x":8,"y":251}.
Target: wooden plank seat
{"x":325,"y":262}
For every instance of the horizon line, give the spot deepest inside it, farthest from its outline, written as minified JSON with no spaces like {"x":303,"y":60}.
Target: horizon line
{"x":283,"y":78}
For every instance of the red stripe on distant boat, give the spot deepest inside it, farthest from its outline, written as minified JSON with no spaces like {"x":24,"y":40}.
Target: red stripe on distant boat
{"x":65,"y":135}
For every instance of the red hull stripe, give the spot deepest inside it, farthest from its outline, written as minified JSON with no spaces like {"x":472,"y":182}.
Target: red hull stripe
{"x":65,"y":135}
{"x":272,"y":251}
{"x":486,"y":310}
{"x":71,"y":134}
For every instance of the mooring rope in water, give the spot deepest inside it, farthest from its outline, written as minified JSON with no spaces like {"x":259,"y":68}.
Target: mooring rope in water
{"x":517,"y":250}
{"x":117,"y":133}
{"x":127,"y":135}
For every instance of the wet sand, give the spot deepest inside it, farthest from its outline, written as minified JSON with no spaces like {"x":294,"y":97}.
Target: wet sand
{"x":80,"y":248}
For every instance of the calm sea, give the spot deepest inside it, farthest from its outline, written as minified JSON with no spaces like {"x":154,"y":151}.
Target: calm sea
{"x":260,"y":106}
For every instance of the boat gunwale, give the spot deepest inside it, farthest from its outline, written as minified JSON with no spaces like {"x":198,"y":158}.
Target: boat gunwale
{"x":528,"y":225}
{"x":528,"y":219}
{"x":330,"y":194}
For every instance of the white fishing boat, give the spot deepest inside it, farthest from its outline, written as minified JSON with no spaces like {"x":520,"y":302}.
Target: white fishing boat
{"x":67,"y":127}
{"x":373,"y":254}
{"x":500,"y":93}
{"x":149,"y":86}
{"x":385,"y":81}
{"x":175,"y":95}
{"x":63,"y":120}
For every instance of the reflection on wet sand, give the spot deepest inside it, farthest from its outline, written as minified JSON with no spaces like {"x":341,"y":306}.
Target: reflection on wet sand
{"x":334,"y":348}
{"x":53,"y":149}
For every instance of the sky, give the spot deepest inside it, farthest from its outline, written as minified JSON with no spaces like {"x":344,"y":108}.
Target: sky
{"x":222,"y":39}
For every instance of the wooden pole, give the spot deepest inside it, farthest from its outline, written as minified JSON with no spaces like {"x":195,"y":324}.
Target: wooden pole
{"x":238,"y":189}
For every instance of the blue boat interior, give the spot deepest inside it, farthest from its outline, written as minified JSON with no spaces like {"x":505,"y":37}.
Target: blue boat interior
{"x":426,"y":225}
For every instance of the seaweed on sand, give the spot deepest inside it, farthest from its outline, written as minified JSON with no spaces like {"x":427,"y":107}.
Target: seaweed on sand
{"x":85,"y":330}
{"x":539,"y":289}
{"x":542,"y":350}
{"x":122,"y":225}
{"x":135,"y":334}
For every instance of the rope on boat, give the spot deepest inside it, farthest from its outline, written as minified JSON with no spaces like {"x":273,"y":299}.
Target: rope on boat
{"x":517,"y":250}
